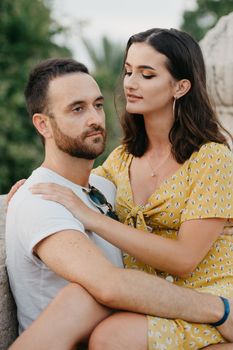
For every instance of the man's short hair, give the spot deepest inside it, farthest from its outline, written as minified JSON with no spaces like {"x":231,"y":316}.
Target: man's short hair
{"x":37,"y":87}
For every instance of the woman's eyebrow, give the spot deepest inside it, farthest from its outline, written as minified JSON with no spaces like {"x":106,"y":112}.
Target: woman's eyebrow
{"x":141,"y":66}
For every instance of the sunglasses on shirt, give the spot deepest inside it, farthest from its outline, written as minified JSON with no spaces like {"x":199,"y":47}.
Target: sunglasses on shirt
{"x":99,"y":200}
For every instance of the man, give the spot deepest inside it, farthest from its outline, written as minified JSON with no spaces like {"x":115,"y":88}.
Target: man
{"x":47,"y":248}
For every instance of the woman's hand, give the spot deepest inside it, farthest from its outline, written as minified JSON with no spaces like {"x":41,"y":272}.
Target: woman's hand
{"x":13,"y":190}
{"x":66,"y":197}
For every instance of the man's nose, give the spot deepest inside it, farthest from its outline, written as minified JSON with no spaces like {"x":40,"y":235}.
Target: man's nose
{"x":95,"y":117}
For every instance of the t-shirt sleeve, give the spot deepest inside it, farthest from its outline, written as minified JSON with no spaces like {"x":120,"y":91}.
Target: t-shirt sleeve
{"x":41,"y":218}
{"x":110,"y":168}
{"x":210,"y":177}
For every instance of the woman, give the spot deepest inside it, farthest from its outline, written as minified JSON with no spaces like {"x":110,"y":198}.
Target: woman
{"x":173,"y":175}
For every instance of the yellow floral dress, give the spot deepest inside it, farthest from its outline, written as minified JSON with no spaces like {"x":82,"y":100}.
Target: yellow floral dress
{"x":201,"y":188}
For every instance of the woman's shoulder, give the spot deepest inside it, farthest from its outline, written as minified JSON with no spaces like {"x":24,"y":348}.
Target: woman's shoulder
{"x":212,"y":151}
{"x":112,"y":166}
{"x":119,"y":154}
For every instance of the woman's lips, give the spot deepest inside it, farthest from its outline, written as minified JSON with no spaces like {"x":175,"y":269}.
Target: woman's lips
{"x":133,"y":98}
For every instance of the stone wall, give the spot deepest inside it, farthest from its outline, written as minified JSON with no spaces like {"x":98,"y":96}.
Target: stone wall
{"x":8,"y":321}
{"x":217,"y":48}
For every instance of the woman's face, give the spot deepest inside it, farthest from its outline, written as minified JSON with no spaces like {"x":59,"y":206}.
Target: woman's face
{"x":149,"y":87}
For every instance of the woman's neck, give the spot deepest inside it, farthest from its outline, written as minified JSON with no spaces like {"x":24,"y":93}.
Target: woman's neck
{"x":157,"y":129}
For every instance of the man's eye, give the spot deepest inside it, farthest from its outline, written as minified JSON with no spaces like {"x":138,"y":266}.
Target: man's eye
{"x":99,"y":106}
{"x":78,"y":109}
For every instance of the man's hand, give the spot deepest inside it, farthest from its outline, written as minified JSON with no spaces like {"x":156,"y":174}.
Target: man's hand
{"x":13,"y":190}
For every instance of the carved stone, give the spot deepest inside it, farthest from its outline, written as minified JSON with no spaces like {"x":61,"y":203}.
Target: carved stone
{"x":217,"y":48}
{"x":8,"y":320}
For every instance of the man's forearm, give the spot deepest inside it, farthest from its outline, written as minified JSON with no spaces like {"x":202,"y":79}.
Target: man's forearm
{"x":140,"y":292}
{"x":71,"y":255}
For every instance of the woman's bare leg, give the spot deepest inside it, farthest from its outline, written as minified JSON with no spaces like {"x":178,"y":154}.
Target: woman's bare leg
{"x":128,"y":331}
{"x":69,"y":319}
{"x":122,"y":330}
{"x":60,"y":325}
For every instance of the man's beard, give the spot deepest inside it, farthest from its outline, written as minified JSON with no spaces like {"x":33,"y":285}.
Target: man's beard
{"x":76,"y":147}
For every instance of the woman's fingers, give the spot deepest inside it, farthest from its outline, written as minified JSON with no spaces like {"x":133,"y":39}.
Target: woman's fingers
{"x":41,"y":188}
{"x":54,"y":192}
{"x":14,"y":189}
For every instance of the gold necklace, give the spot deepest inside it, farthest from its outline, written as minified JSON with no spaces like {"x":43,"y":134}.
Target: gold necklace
{"x":154,"y":172}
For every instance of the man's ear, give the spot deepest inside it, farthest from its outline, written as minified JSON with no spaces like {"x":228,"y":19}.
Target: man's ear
{"x":41,"y":123}
{"x":181,"y":88}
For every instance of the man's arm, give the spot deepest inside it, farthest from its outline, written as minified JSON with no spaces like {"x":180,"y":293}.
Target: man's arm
{"x":74,"y":257}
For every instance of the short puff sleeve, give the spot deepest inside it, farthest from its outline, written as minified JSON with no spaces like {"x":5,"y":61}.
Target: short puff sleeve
{"x":210,"y":177}
{"x":110,"y":168}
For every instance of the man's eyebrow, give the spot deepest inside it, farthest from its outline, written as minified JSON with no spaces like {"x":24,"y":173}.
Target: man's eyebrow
{"x":141,"y":66}
{"x":100,"y":98}
{"x":80,"y":102}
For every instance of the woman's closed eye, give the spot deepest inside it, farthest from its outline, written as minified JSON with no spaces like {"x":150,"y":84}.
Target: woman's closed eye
{"x":144,"y":75}
{"x":148,"y":76}
{"x":128,"y":73}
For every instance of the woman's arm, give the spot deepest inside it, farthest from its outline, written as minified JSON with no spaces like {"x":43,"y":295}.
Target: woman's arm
{"x":178,"y":257}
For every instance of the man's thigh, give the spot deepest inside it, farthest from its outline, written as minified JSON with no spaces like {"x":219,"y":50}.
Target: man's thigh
{"x":83,"y":312}
{"x":68,"y":320}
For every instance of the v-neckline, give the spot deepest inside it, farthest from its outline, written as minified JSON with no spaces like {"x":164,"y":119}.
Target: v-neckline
{"x":158,"y":189}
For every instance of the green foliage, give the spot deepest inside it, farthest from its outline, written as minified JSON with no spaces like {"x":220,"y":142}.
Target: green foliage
{"x":26,"y":36}
{"x":205,"y":16}
{"x":107,"y":61}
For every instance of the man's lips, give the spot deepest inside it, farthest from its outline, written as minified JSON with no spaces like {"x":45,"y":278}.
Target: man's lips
{"x":95,"y":133}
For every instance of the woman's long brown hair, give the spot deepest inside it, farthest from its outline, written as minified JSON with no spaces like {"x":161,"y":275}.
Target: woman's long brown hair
{"x":195,"y":120}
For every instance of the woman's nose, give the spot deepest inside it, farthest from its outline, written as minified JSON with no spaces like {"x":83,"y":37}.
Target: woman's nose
{"x":130,"y":82}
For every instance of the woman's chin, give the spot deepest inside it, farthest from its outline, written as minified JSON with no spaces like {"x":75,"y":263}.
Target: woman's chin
{"x":132,"y":109}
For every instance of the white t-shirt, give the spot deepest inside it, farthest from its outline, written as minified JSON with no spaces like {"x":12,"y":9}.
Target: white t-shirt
{"x":29,"y":220}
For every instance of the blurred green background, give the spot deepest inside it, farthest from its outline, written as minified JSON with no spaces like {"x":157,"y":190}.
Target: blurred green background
{"x":28,"y":34}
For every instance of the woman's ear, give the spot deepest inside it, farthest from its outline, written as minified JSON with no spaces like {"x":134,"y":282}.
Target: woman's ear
{"x":182,"y":87}
{"x":42,"y":125}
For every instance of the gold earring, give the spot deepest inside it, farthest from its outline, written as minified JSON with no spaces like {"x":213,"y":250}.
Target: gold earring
{"x":174,"y":107}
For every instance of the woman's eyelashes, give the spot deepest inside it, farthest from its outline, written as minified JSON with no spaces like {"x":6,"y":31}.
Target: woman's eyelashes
{"x":144,"y":75}
{"x":128,"y":73}
{"x":148,"y":76}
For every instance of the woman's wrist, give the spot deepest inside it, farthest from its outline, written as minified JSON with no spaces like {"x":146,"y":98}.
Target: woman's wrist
{"x":225,"y":315}
{"x":93,"y":220}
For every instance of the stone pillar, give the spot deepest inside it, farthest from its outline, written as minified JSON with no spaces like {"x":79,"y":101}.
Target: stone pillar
{"x":8,"y":321}
{"x":217,"y":48}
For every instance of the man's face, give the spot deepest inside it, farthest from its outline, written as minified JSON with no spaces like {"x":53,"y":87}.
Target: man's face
{"x":78,"y":119}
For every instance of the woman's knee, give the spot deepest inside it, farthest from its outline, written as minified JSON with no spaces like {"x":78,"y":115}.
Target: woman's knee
{"x":120,"y":331}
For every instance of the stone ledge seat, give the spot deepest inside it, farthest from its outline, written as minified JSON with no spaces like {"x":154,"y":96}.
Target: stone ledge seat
{"x":8,"y":318}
